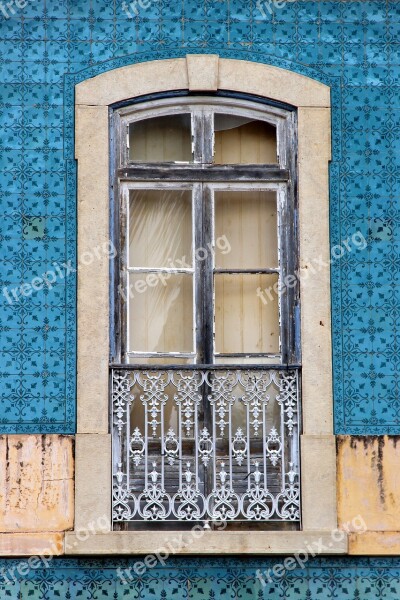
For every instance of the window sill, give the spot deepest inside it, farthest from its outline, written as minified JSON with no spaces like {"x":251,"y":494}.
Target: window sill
{"x":207,"y":542}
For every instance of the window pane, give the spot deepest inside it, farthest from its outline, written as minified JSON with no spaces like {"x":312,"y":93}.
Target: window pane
{"x":248,"y":220}
{"x":245,"y":360}
{"x":160,"y":312}
{"x":160,"y":228}
{"x":246,"y":314}
{"x":160,"y":360}
{"x":242,"y":140}
{"x":161,"y":139}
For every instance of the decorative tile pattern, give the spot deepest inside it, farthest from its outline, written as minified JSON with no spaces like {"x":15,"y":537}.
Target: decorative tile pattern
{"x":205,"y":579}
{"x":352,"y":45}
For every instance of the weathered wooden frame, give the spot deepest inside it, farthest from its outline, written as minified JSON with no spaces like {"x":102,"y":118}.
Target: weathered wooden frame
{"x":206,"y":73}
{"x":245,"y":176}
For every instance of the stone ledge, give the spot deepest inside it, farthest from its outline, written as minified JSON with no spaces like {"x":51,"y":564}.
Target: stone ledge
{"x":211,"y":542}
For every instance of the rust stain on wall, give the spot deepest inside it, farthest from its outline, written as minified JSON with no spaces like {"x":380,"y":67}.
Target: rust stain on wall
{"x":369,"y":481}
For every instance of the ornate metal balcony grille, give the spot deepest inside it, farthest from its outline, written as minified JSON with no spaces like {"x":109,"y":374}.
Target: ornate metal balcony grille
{"x":194,"y":445}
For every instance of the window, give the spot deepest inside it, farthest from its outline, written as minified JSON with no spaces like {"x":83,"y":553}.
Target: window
{"x":207,"y":236}
{"x":95,"y":97}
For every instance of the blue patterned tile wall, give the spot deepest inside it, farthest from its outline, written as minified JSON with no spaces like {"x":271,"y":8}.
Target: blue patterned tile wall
{"x":49,"y":45}
{"x":202,"y":579}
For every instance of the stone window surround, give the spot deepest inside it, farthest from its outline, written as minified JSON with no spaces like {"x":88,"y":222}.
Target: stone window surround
{"x":93,"y":441}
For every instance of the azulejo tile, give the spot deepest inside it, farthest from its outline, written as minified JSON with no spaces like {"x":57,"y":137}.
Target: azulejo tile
{"x":344,"y":578}
{"x":11,"y":29}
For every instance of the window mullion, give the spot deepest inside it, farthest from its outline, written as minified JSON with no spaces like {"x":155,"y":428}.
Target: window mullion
{"x":197,"y":136}
{"x":208,"y":320}
{"x":203,"y":136}
{"x":284,"y":217}
{"x":198,"y":271}
{"x":124,"y":298}
{"x":208,"y":273}
{"x":208,"y":137}
{"x":292,"y":291}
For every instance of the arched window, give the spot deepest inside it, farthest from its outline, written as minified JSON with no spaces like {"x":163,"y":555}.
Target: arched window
{"x":207,"y":311}
{"x":221,"y":391}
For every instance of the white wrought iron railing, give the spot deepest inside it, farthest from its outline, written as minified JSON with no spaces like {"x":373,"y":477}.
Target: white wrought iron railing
{"x":195,"y":444}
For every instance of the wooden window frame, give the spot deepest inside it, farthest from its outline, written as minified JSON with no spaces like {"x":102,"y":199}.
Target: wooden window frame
{"x":203,"y":174}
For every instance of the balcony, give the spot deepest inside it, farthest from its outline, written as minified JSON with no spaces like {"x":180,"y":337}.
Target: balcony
{"x":212,"y":444}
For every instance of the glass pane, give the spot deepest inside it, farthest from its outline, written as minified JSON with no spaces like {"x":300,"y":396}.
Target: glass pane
{"x":248,"y":221}
{"x":246,"y":314}
{"x":161,"y":139}
{"x":246,"y":360}
{"x":240,"y":140}
{"x":160,"y":228}
{"x":160,"y":312}
{"x":160,"y":360}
